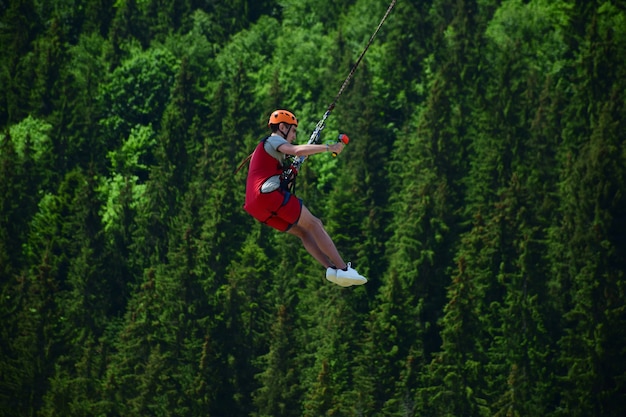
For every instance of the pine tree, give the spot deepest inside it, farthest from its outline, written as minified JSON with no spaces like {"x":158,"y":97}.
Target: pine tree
{"x":278,"y":393}
{"x":75,"y":390}
{"x":16,"y":206}
{"x":62,"y":298}
{"x":393,"y":339}
{"x":80,"y":139}
{"x":331,"y":350}
{"x":455,"y":384}
{"x":587,"y":253}
{"x":20,"y":26}
{"x":143,"y":376}
{"x":517,"y":318}
{"x":48,"y":56}
{"x":323,"y":398}
{"x":355,"y":218}
{"x":509,"y":185}
{"x":128,"y":27}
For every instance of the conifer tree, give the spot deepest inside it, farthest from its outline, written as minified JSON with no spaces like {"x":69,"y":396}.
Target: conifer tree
{"x":149,"y":370}
{"x":84,"y":301}
{"x":354,"y":214}
{"x":482,"y":193}
{"x":62,"y":297}
{"x":438,"y":153}
{"x":322,"y":399}
{"x":81,"y":139}
{"x":456,"y":385}
{"x":128,"y":27}
{"x":20,"y":26}
{"x":25,"y":154}
{"x":47,"y":59}
{"x":14,"y":202}
{"x":518,"y":311}
{"x":75,"y":390}
{"x":329,"y":377}
{"x":278,"y":392}
{"x":426,"y":185}
{"x":97,"y":17}
{"x":586,"y":253}
{"x":392,"y":340}
{"x":164,"y":17}
{"x":13,"y":234}
{"x":507,"y":186}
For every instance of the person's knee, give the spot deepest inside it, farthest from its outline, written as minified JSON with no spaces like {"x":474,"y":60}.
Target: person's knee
{"x":314,"y":224}
{"x":309,"y":222}
{"x":295,"y":230}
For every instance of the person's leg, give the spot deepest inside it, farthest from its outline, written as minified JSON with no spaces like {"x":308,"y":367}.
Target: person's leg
{"x":319,"y":244}
{"x":316,"y":240}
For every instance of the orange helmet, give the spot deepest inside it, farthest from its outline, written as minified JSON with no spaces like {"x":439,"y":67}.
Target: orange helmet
{"x":282,"y":116}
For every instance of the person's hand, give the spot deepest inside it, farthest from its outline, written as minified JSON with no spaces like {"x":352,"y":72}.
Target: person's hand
{"x":336,"y":148}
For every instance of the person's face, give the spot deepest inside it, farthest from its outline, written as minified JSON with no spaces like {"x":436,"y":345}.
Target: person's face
{"x":290,"y":132}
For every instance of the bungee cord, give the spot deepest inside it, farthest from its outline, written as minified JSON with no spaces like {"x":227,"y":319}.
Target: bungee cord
{"x":315,"y":136}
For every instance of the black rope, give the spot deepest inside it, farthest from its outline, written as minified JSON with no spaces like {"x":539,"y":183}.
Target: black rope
{"x":322,"y":123}
{"x":358,"y":61}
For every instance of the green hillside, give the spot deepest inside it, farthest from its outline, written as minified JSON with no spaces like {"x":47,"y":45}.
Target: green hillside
{"x":483,"y":195}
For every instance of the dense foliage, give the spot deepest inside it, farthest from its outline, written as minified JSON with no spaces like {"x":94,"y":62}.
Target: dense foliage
{"x":483,"y":194}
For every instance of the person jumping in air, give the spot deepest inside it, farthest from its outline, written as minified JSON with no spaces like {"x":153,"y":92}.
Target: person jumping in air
{"x":269,"y":200}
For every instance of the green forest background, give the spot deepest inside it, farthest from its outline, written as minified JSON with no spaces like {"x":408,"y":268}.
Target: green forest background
{"x":483,"y":194}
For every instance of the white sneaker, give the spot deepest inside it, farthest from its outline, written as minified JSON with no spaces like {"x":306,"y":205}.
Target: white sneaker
{"x":331,"y":275}
{"x":348,"y":277}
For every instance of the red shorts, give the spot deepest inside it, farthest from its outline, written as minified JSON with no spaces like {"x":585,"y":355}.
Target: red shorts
{"x":278,"y":209}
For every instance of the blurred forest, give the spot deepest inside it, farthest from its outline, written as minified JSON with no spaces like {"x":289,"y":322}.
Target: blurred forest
{"x":483,"y":194}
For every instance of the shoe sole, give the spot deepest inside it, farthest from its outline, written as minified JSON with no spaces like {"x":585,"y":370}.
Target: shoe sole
{"x":347,"y":282}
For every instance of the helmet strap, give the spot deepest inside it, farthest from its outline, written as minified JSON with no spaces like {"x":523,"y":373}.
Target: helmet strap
{"x":288,"y":130}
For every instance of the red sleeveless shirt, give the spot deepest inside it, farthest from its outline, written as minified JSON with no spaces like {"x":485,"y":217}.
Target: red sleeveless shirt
{"x":279,"y":208}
